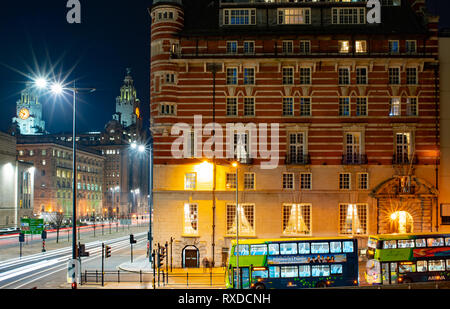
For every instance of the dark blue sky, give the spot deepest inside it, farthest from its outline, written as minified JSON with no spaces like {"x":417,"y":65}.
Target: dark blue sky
{"x":113,"y":35}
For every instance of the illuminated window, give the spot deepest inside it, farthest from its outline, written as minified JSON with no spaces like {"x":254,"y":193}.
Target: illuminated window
{"x":361,"y":47}
{"x":294,"y":16}
{"x":344,"y":47}
{"x":190,"y":219}
{"x":230,"y":181}
{"x":246,"y":219}
{"x":395,"y":107}
{"x":190,"y":181}
{"x":353,"y":219}
{"x":296,"y":219}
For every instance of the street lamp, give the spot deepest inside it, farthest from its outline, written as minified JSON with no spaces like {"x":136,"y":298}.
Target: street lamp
{"x":57,"y":88}
{"x":142,"y":149}
{"x":236,"y":165}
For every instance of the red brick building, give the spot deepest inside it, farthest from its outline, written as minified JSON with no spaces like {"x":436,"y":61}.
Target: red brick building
{"x":357,"y":106}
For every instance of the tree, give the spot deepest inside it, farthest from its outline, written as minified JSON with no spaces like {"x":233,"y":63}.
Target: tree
{"x":57,"y":220}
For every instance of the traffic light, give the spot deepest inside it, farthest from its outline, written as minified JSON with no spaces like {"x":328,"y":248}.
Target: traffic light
{"x":107,"y":251}
{"x":44,"y":234}
{"x":21,"y":237}
{"x":132,"y":240}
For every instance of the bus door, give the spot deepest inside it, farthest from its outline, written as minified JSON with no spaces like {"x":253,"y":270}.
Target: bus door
{"x":389,"y":272}
{"x":245,"y":278}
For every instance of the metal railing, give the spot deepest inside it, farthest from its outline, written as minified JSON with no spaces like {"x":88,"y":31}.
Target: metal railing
{"x":161,"y":279}
{"x":354,"y":159}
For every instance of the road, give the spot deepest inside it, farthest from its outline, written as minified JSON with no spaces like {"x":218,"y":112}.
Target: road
{"x":37,"y":269}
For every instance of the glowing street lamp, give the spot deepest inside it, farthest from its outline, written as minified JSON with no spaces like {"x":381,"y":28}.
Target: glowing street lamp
{"x":236,"y":166}
{"x":58,"y":89}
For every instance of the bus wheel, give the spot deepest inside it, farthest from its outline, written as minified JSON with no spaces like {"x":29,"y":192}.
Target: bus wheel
{"x":321,"y":284}
{"x":259,"y":286}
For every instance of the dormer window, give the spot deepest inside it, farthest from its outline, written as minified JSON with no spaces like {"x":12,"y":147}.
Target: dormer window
{"x":239,"y":17}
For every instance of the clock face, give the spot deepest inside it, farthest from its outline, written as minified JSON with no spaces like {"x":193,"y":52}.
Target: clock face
{"x":24,"y":113}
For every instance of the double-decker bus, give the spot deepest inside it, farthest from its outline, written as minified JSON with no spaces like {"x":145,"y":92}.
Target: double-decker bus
{"x":406,"y":258}
{"x":293,"y":263}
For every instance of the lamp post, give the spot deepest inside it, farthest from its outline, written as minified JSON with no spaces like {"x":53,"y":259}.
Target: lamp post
{"x":236,"y":250}
{"x":57,"y":89}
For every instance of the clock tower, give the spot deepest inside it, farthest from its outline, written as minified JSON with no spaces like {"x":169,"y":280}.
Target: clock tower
{"x":29,"y":113}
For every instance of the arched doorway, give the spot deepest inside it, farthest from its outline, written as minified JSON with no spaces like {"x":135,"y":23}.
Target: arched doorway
{"x":401,"y":222}
{"x":190,"y":257}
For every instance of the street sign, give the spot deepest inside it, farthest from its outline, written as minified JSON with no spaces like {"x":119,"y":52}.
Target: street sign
{"x":31,"y":226}
{"x":73,"y":267}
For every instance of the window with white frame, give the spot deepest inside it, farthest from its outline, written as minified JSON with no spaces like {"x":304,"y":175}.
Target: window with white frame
{"x":249,"y":76}
{"x":344,"y":76}
{"x":411,"y":106}
{"x":232,"y":47}
{"x":239,"y":16}
{"x":288,"y":106}
{"x":361,"y":106}
{"x":363,"y":181}
{"x":361,"y":76}
{"x":249,"y":47}
{"x":231,"y":106}
{"x":230,"y":182}
{"x":403,"y":147}
{"x":394,"y":76}
{"x":395,"y":107}
{"x":294,"y":16}
{"x":249,"y":181}
{"x":344,"y":47}
{"x":191,"y":144}
{"x":305,"y":76}
{"x":411,"y":76}
{"x":190,"y":181}
{"x":232,"y":74}
{"x":305,"y":181}
{"x":348,"y":16}
{"x":297,"y":147}
{"x":288,"y":75}
{"x":352,"y":146}
{"x":190,"y":219}
{"x":249,"y":106}
{"x":246,"y":215}
{"x":296,"y":219}
{"x":241,"y":146}
{"x":305,"y":106}
{"x":344,"y":106}
{"x":288,"y":181}
{"x":353,"y":219}
{"x":288,"y":47}
{"x":305,"y":47}
{"x":344,"y":181}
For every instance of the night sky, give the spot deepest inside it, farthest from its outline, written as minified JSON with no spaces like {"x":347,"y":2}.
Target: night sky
{"x":113,"y":35}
